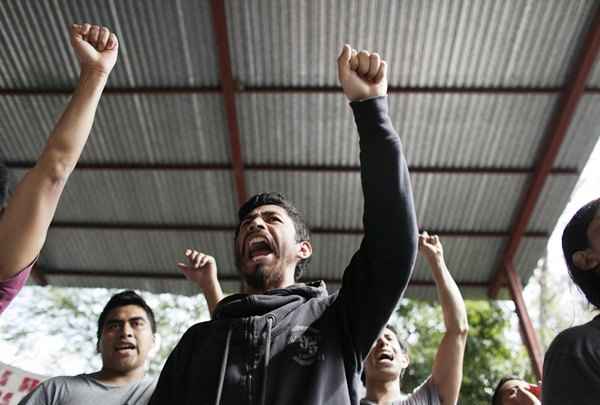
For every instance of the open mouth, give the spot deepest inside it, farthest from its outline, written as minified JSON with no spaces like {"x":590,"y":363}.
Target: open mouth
{"x":125,"y":348}
{"x":258,"y":246}
{"x":385,"y":356}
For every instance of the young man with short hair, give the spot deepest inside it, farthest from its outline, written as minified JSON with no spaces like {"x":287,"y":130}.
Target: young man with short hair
{"x":512,"y":390}
{"x":572,"y":362}
{"x":287,"y":343}
{"x":26,"y":216}
{"x":388,"y":358}
{"x":126,"y":329}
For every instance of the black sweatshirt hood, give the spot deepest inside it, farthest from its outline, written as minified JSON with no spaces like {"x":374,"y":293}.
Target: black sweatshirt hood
{"x":272,"y":301}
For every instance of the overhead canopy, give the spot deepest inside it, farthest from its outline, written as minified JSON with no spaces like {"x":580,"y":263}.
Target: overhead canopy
{"x":211,"y":102}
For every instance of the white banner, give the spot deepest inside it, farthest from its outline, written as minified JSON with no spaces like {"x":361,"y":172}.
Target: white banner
{"x":16,"y":383}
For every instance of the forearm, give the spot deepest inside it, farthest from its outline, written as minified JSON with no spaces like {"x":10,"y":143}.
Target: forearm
{"x":378,"y":274}
{"x":389,"y":215}
{"x":213,"y":294}
{"x":451,"y":300}
{"x":25,"y":222}
{"x":66,"y":142}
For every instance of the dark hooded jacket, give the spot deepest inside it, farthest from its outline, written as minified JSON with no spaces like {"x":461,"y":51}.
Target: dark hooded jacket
{"x":300,"y":345}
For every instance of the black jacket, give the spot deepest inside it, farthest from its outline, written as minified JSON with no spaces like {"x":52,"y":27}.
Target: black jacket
{"x":299,"y":345}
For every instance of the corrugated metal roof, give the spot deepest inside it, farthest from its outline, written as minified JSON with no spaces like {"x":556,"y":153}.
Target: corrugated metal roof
{"x":471,"y":130}
{"x":582,"y":135}
{"x":133,"y":250}
{"x":128,"y":128}
{"x":428,"y":43}
{"x":149,"y":196}
{"x":442,"y":44}
{"x":160,"y":44}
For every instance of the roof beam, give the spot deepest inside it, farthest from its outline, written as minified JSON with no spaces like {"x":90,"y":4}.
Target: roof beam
{"x":219,"y":21}
{"x":193,"y":90}
{"x":153,"y":275}
{"x":124,"y":166}
{"x":556,"y":133}
{"x":163,"y":227}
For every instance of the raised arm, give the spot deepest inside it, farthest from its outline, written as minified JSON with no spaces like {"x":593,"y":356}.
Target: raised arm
{"x":379,"y":271}
{"x":448,"y":363}
{"x":29,"y":212}
{"x":201,"y":269}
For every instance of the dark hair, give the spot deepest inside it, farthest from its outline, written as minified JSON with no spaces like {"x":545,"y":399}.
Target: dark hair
{"x":3,"y":184}
{"x":302,"y":231}
{"x":122,"y":299}
{"x":574,"y":239}
{"x":496,"y":398}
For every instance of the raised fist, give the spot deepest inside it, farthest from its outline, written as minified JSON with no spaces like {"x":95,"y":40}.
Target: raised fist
{"x":362,"y":74}
{"x":96,"y":47}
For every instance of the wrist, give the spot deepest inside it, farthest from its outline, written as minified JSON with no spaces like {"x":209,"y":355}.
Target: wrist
{"x":91,"y":75}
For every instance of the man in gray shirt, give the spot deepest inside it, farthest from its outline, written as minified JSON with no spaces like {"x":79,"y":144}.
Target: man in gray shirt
{"x":388,"y":358}
{"x":126,"y":329}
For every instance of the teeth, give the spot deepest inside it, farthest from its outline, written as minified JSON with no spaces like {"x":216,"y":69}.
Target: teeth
{"x":257,"y":239}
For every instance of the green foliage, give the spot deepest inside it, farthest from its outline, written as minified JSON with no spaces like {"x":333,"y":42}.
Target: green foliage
{"x":70,"y":315}
{"x":488,"y":355}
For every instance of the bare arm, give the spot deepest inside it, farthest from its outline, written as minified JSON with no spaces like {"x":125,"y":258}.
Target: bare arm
{"x":29,"y":212}
{"x":202,"y":271}
{"x":448,"y":363}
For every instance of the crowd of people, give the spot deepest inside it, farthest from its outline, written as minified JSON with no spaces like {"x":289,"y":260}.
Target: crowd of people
{"x":281,"y":341}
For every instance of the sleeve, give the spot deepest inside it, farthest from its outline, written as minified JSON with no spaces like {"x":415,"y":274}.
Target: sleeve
{"x":379,"y":271}
{"x":11,"y":287}
{"x":424,"y":394}
{"x":39,"y":396}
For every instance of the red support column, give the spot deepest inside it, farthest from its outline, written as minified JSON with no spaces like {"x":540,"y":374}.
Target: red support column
{"x":229,"y":90}
{"x":528,"y":333}
{"x":556,"y":133}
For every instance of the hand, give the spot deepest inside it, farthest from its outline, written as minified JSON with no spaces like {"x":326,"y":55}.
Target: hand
{"x":525,"y":396}
{"x":96,"y":48}
{"x":362,"y":75}
{"x":431,"y":248}
{"x":202,"y":268}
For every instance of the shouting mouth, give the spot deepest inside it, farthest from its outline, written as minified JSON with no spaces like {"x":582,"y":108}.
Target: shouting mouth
{"x":259,"y":247}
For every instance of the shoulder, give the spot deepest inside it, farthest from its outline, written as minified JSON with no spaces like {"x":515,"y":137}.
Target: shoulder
{"x":577,"y":336}
{"x":424,"y":394}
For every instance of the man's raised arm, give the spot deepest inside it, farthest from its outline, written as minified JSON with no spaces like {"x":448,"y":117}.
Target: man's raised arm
{"x":29,"y":212}
{"x":447,"y":368}
{"x":379,"y":272}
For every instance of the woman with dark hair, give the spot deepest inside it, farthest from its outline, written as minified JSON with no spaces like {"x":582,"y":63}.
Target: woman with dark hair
{"x":27,"y":214}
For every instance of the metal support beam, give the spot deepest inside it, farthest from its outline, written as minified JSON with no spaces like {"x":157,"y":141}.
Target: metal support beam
{"x":528,"y":333}
{"x":153,"y":275}
{"x":460,"y":170}
{"x":228,"y":86}
{"x":185,"y":90}
{"x":556,"y":133}
{"x":174,"y":227}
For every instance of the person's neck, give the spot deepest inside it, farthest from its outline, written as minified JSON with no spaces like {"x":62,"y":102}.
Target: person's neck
{"x":278,"y":280}
{"x":381,"y":392}
{"x":113,"y":377}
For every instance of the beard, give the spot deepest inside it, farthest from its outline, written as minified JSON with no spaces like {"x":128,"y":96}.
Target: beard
{"x":256,"y":280}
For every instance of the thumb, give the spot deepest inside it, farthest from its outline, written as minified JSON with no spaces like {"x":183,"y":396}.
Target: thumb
{"x":344,"y":60}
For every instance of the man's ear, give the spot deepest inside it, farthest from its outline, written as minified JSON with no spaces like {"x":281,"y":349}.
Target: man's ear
{"x":585,"y":259}
{"x":304,"y":249}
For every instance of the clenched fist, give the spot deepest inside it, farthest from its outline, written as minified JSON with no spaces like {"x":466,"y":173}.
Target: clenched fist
{"x":96,"y":48}
{"x":362,"y":74}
